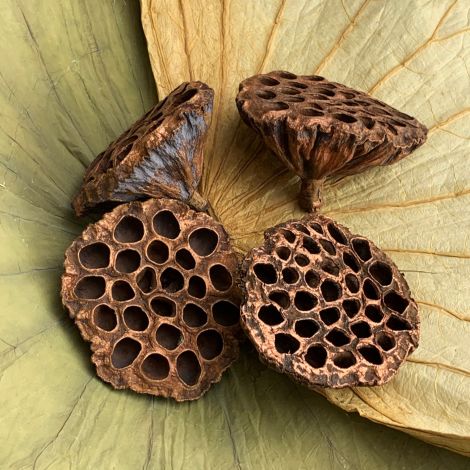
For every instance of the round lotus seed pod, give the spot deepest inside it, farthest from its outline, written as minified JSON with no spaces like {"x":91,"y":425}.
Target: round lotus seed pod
{"x":152,"y":287}
{"x":320,"y":128}
{"x":327,"y":307}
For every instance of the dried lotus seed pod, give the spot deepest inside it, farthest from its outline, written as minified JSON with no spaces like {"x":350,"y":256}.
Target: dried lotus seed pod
{"x":161,"y":155}
{"x":152,"y":287}
{"x":327,"y":307}
{"x":320,"y":128}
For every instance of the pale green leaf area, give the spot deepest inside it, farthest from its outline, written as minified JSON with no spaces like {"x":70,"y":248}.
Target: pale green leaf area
{"x":413,"y":54}
{"x":73,"y":75}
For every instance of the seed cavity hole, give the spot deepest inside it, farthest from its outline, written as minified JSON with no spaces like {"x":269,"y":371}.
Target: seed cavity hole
{"x":351,"y":307}
{"x":352,"y":283}
{"x":95,"y":256}
{"x":220,"y":277}
{"x":135,"y":318}
{"x":337,"y":234}
{"x":306,"y":328}
{"x":361,"y":329}
{"x":330,"y":290}
{"x":330,"y":267}
{"x":266,"y":94}
{"x":171,"y":280}
{"x":345,"y":118}
{"x":122,"y":291}
{"x":287,"y":75}
{"x":311,"y":245}
{"x":156,"y":367}
{"x":265,"y":273}
{"x":312,"y":278}
{"x":374,"y":313}
{"x":368,"y":122}
{"x":328,"y":246}
{"x":337,"y":337}
{"x":316,"y":356}
{"x":326,"y":92}
{"x":270,"y":315}
{"x":226,"y":313}
{"x":277,"y":105}
{"x":290,"y":275}
{"x":185,"y":259}
{"x":280,"y":297}
{"x":90,"y":287}
{"x":197,"y":287}
{"x":362,"y":249}
{"x":283,"y":252}
{"x":125,"y":353}
{"x":210,"y":344}
{"x":147,"y":280}
{"x":370,"y":290}
{"x":351,"y":261}
{"x":286,"y":344}
{"x":385,"y":341}
{"x":105,"y":317}
{"x":371,"y":354}
{"x":158,"y":252}
{"x":127,"y":261}
{"x":288,"y":91}
{"x":398,"y":324}
{"x":288,"y":235}
{"x":304,"y":301}
{"x":163,"y":307}
{"x":186,"y":96}
{"x":302,"y":86}
{"x":203,"y":241}
{"x":194,"y":316}
{"x":268,"y":81}
{"x":344,"y":360}
{"x":329,"y":315}
{"x":168,"y":336}
{"x":317,"y":227}
{"x":166,"y":224}
{"x":396,"y":302}
{"x":129,"y":230}
{"x":188,"y":368}
{"x":301,"y":260}
{"x":311,"y":112}
{"x":381,"y":272}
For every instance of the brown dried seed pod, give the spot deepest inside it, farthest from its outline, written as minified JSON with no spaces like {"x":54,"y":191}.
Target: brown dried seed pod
{"x":327,"y":307}
{"x":320,"y":128}
{"x":152,"y":286}
{"x":161,"y":155}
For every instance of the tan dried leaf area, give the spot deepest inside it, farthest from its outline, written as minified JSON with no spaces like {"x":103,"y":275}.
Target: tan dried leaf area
{"x":416,"y":210}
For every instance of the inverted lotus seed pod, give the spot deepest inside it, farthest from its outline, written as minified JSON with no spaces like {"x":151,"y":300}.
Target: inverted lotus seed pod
{"x":320,"y":128}
{"x":327,"y":307}
{"x":161,"y":155}
{"x":152,"y":287}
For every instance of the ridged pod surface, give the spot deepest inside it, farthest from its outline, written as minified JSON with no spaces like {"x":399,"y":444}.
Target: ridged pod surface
{"x":160,"y":155}
{"x":152,"y":287}
{"x":327,"y":307}
{"x":320,"y":128}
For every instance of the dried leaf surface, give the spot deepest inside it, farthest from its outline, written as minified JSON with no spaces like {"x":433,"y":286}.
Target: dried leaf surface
{"x":74,"y":75}
{"x":417,"y":210}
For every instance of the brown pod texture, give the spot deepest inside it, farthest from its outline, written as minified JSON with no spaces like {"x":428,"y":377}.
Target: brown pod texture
{"x":161,"y":155}
{"x":320,"y":128}
{"x":327,"y":307}
{"x":152,"y":287}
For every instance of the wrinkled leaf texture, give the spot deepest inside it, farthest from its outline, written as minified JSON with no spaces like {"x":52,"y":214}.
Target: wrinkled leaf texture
{"x":73,"y":75}
{"x":415,"y":55}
